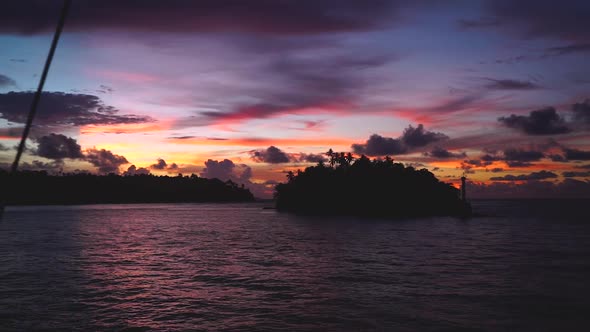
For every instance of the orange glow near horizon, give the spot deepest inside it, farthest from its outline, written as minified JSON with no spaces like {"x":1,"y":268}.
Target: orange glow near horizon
{"x":259,"y":142}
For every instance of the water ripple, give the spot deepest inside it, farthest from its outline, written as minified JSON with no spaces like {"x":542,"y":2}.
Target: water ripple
{"x":238,"y":267}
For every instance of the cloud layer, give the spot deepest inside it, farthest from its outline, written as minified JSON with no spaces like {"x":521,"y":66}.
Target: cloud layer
{"x":541,"y":175}
{"x":57,"y":147}
{"x":261,"y":17}
{"x":540,"y":122}
{"x":63,"y":109}
{"x":411,"y":138}
{"x":6,"y":81}
{"x":226,"y":170}
{"x":271,"y":155}
{"x":104,"y":160}
{"x":274,"y":155}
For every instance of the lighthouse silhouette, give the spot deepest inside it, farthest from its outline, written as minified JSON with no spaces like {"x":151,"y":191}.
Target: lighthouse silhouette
{"x":463,"y":192}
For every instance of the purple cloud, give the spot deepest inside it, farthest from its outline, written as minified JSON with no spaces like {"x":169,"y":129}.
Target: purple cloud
{"x":541,"y":175}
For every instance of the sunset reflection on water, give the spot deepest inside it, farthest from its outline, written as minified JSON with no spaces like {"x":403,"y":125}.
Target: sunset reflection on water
{"x":238,"y":267}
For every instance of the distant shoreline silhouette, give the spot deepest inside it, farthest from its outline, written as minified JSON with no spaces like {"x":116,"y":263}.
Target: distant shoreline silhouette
{"x":365,"y":187}
{"x":40,"y":188}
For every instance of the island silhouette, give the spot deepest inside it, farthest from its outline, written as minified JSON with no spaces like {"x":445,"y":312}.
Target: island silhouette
{"x":364,"y":187}
{"x":342,"y":185}
{"x":40,"y":188}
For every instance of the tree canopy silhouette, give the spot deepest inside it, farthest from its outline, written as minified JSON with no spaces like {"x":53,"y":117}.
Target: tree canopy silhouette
{"x":365,"y":187}
{"x":40,"y":188}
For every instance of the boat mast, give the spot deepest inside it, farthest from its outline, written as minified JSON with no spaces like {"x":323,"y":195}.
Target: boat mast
{"x":36,"y":98}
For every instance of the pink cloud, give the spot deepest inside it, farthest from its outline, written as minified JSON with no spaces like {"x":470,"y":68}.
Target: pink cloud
{"x":262,"y":111}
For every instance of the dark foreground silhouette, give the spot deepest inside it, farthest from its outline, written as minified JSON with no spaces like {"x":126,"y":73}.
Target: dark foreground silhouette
{"x":364,"y":187}
{"x":39,"y":188}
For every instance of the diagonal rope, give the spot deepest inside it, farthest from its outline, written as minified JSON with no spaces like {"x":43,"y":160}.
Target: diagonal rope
{"x":37,"y":96}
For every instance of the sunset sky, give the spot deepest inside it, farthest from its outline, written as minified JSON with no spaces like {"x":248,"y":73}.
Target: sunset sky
{"x":496,"y":89}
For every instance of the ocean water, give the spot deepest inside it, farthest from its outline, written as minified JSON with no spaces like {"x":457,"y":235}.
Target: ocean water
{"x":237,"y":267}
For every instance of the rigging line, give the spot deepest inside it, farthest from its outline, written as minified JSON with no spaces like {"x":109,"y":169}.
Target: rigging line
{"x":37,"y":96}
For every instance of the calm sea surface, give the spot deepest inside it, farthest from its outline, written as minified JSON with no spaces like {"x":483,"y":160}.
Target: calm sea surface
{"x":241,"y":268}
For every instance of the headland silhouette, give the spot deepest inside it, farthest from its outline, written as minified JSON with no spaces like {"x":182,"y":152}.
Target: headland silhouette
{"x":40,"y":188}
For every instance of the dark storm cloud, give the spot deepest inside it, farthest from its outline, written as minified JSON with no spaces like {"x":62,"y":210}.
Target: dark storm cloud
{"x":63,"y":109}
{"x":57,"y":146}
{"x":522,"y":155}
{"x":470,"y":163}
{"x":517,"y":163}
{"x":222,"y":170}
{"x":418,"y":137}
{"x":441,"y":153}
{"x":6,"y":81}
{"x":133,"y":170}
{"x":566,"y":20}
{"x":378,"y":145}
{"x":261,"y":16}
{"x":514,"y":157}
{"x":508,"y":84}
{"x":246,"y":174}
{"x":161,"y":164}
{"x":541,"y":175}
{"x":274,"y":155}
{"x":568,"y":154}
{"x":239,"y":173}
{"x":489,"y":158}
{"x":105,"y":160}
{"x":226,"y":170}
{"x":540,"y":122}
{"x":576,"y":174}
{"x":574,"y":154}
{"x":311,"y":158}
{"x":411,"y":138}
{"x":582,"y":111}
{"x":271,"y":155}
